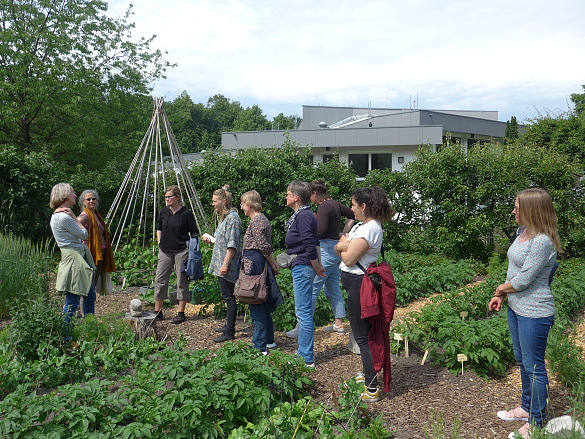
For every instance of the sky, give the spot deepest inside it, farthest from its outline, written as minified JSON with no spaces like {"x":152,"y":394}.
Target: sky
{"x":522,"y":58}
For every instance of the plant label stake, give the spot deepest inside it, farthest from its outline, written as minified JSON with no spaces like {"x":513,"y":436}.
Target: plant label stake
{"x":461,"y":358}
{"x":463,"y":315}
{"x":424,"y":358}
{"x":398,"y":337}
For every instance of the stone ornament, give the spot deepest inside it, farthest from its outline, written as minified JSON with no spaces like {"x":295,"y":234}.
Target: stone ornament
{"x":136,"y":308}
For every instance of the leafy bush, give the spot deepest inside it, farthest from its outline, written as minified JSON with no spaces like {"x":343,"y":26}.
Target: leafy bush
{"x":419,"y":276}
{"x":37,"y":325}
{"x":136,"y":264}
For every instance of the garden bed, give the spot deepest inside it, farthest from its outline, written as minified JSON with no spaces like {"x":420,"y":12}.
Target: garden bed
{"x":421,"y":394}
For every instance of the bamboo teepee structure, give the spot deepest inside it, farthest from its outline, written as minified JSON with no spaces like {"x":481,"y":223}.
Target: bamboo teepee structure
{"x":141,"y":195}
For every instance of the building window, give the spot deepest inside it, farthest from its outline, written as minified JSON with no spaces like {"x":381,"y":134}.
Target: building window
{"x":311,"y":159}
{"x":381,"y":161}
{"x":400,"y":160}
{"x":327,"y":157}
{"x":359,"y":163}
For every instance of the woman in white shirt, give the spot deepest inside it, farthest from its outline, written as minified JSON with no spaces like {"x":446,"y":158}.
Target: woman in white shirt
{"x":362,"y":245}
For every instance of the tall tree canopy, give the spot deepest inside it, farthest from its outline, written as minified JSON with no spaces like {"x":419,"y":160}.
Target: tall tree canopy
{"x":61,"y":62}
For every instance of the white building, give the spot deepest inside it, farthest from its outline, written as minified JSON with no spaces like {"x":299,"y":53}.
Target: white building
{"x":375,"y":138}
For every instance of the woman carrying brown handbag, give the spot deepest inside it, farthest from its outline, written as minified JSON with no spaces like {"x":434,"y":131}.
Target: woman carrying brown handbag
{"x":257,"y":252}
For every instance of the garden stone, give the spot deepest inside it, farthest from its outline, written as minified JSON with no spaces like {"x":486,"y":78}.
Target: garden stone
{"x":565,"y":427}
{"x":136,"y":308}
{"x":144,"y":323}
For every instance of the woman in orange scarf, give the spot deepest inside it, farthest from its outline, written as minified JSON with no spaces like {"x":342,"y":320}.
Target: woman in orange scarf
{"x":98,"y":240}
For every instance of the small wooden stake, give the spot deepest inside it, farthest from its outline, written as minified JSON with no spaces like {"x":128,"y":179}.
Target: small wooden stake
{"x":424,"y":358}
{"x":462,"y":358}
{"x":406,"y":352}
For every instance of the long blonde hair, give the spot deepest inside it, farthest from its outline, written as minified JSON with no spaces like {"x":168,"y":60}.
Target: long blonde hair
{"x":537,"y":213}
{"x":227,"y":197}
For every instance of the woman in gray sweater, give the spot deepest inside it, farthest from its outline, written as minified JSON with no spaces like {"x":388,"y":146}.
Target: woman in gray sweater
{"x":531,"y":308}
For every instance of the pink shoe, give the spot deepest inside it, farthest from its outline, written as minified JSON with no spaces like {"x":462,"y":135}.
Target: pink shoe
{"x":517,"y":414}
{"x":524,"y":432}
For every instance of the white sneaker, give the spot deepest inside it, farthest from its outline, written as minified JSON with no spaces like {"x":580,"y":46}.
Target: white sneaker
{"x":334,"y":328}
{"x":271,"y":345}
{"x":293,"y":333}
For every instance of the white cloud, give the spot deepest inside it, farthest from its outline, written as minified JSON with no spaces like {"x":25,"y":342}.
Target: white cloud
{"x":514,"y":57}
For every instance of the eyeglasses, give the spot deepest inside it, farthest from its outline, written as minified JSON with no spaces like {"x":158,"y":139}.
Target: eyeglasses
{"x":90,"y":199}
{"x":169,"y":196}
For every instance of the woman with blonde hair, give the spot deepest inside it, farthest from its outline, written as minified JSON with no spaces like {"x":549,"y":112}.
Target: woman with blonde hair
{"x":174,"y":226}
{"x":257,"y":252}
{"x":75,"y":274}
{"x":227,"y":247}
{"x":98,"y":239}
{"x":531,"y":308}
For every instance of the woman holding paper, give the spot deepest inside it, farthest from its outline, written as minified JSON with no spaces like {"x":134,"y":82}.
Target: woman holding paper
{"x":227,"y":247}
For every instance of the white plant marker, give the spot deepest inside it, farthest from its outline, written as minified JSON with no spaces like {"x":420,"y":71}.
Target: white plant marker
{"x":461,"y":358}
{"x":399,"y":337}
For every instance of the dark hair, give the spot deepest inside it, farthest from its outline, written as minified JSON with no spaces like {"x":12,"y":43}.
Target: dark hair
{"x":302,"y":189}
{"x":318,"y":186}
{"x":376,"y":201}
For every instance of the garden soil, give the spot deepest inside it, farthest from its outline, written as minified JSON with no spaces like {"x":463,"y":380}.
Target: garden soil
{"x":420,"y":393}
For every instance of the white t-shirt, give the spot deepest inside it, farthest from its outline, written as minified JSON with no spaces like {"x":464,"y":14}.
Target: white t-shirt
{"x":372,"y":233}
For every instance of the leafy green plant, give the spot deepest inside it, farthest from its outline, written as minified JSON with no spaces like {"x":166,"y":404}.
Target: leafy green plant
{"x":419,"y":276}
{"x":37,"y":326}
{"x":136,"y":264}
{"x":439,"y":430}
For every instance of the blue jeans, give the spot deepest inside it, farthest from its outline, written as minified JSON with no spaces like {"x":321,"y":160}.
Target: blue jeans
{"x":302,"y":277}
{"x":72,"y":303}
{"x":529,"y":337}
{"x":330,"y":282}
{"x":263,"y":326}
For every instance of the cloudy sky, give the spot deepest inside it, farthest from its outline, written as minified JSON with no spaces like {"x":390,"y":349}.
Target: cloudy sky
{"x":522,"y":58}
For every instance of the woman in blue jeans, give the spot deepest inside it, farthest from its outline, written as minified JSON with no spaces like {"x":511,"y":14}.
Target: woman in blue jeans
{"x":301,"y":240}
{"x":257,"y":252}
{"x":531,"y":308}
{"x":76,"y":269}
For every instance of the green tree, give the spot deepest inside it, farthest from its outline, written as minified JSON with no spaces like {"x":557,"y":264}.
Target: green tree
{"x":579,"y":101}
{"x":25,"y":185}
{"x":220,"y":115}
{"x":282,"y":122}
{"x":464,"y":200}
{"x":512,"y":128}
{"x":60,"y":61}
{"x":251,"y":119}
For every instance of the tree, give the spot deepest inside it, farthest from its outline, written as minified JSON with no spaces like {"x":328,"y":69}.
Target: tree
{"x":512,"y":128}
{"x":579,"y":101}
{"x":60,"y":61}
{"x":282,"y":122}
{"x":251,"y":119}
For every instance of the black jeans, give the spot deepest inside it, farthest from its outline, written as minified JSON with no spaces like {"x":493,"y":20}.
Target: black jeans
{"x":227,"y":294}
{"x":359,"y":327}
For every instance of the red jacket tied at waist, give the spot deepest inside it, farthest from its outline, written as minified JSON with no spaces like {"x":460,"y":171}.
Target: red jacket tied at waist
{"x":378,"y":308}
